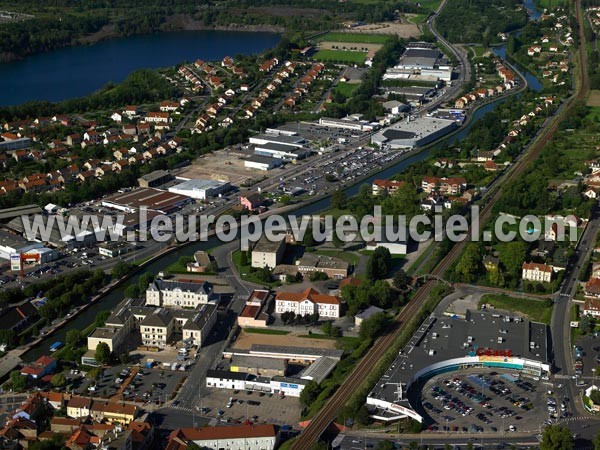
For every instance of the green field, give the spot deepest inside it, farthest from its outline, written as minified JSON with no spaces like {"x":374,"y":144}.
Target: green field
{"x":341,"y":56}
{"x":478,"y":50}
{"x":357,"y":38}
{"x":536,"y":310}
{"x":266,"y":331}
{"x":350,"y":258}
{"x":346,"y":89}
{"x":419,"y":18}
{"x":428,"y":4}
{"x":550,"y":3}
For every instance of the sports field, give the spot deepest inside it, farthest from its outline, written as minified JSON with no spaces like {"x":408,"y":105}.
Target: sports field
{"x":341,"y":56}
{"x":358,"y":38}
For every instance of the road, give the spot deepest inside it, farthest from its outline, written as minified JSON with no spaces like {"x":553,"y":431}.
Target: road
{"x":561,"y":331}
{"x":464,"y":68}
{"x":328,"y":413}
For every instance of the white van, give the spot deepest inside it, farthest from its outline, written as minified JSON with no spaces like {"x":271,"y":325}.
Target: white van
{"x":183,"y":351}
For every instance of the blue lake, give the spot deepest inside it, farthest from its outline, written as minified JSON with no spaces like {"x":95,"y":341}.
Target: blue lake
{"x":77,"y":71}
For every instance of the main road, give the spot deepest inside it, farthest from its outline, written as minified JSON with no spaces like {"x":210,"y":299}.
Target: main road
{"x":321,"y":421}
{"x":561,"y":330}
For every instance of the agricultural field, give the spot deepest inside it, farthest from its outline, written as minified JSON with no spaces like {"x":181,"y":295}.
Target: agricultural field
{"x":341,"y":56}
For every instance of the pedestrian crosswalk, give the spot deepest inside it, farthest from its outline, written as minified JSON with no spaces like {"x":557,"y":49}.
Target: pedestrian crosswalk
{"x":182,"y":408}
{"x":574,"y":419}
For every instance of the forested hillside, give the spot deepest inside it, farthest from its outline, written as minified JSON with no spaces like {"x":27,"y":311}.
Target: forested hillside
{"x":479,"y":21}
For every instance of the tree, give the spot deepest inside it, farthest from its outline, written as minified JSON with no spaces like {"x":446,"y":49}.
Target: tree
{"x":468,"y":266}
{"x":380,"y":294}
{"x":73,"y":337}
{"x":288,"y":317}
{"x":17,"y":381}
{"x":379,"y":263}
{"x":318,"y":276}
{"x":597,"y":442}
{"x":58,"y":380}
{"x":557,"y":437}
{"x":373,"y":326}
{"x":310,"y":393}
{"x":94,"y":373}
{"x":121,"y":269}
{"x":385,"y":445}
{"x":132,"y":291}
{"x":401,"y":280}
{"x":56,"y":442}
{"x":102,"y":354}
{"x":585,"y":324}
{"x":243,"y":258}
{"x":339,"y":200}
{"x":595,"y":396}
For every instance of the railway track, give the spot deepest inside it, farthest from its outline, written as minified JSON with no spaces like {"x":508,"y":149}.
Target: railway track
{"x":328,"y":413}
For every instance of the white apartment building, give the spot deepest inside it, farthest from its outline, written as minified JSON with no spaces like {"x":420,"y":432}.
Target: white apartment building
{"x":537,"y":272}
{"x":309,"y":301}
{"x":156,"y":329}
{"x":267,"y":254}
{"x":177,"y":294}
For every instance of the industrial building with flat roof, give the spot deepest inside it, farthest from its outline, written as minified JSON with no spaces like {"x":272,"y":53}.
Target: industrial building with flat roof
{"x":278,"y":138}
{"x":413,"y":133}
{"x":152,"y":199}
{"x":285,"y":152}
{"x":155,"y":178}
{"x":200,"y":189}
{"x":262,"y":162}
{"x":442,"y":344}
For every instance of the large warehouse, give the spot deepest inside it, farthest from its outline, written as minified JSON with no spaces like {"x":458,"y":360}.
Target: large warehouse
{"x":201,"y":189}
{"x":262,"y":162}
{"x":413,"y":132}
{"x":275,"y":138}
{"x":282,"y":151}
{"x":153,"y":199}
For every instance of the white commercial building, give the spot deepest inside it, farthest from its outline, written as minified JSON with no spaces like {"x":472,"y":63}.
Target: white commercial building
{"x":200,"y":189}
{"x":413,"y":133}
{"x":262,"y":162}
{"x":345,"y":124}
{"x":278,"y":138}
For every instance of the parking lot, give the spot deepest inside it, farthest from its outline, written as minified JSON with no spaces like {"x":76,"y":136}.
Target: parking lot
{"x":248,"y":405}
{"x":588,"y":352}
{"x":479,"y":401}
{"x":147,"y":386}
